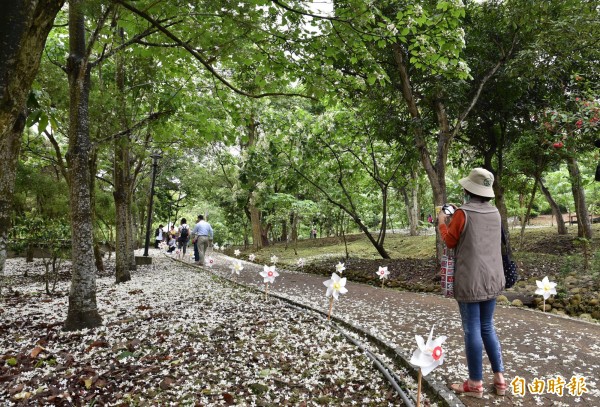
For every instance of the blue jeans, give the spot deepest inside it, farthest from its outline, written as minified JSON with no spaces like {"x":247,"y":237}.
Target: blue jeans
{"x":478,"y":326}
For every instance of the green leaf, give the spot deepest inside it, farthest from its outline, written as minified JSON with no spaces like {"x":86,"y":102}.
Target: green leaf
{"x":125,"y":354}
{"x":371,"y":79}
{"x":43,"y":123}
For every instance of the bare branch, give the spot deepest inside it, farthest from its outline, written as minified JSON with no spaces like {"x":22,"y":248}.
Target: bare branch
{"x":59,"y":158}
{"x":484,"y":80}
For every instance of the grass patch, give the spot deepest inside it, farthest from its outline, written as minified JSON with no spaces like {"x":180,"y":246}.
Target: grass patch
{"x":398,"y":246}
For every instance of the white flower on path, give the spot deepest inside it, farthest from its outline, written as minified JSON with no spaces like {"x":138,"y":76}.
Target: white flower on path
{"x":335,"y":286}
{"x":269,"y":274}
{"x":428,"y":355}
{"x":340,"y":267}
{"x":236,"y":267}
{"x":383,"y":272}
{"x":274,"y":259}
{"x":252,"y":257}
{"x":236,"y":252}
{"x":210,"y":262}
{"x":545,"y":288}
{"x":300,"y":262}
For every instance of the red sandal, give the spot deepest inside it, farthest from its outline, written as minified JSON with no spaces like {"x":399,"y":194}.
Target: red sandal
{"x":467,"y":390}
{"x":500,"y":388}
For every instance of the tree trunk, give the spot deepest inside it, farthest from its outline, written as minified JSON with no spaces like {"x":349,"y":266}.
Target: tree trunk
{"x":83,"y":309}
{"x":294,"y":232}
{"x":436,"y":172}
{"x":120,"y":177}
{"x":121,"y":244}
{"x":131,"y":235}
{"x":93,"y":166}
{"x":560,"y":222}
{"x":412,"y":211}
{"x":584,"y":226}
{"x":384,"y":205}
{"x":528,"y":211}
{"x":284,"y":231}
{"x":24,"y":27}
{"x":257,"y":232}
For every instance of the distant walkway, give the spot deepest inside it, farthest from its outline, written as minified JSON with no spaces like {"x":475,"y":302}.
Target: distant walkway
{"x":537,"y":347}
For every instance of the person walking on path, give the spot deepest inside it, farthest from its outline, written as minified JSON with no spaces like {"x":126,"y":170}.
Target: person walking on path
{"x":158,"y":236}
{"x":184,"y":236}
{"x":474,"y":231}
{"x":202,"y":236}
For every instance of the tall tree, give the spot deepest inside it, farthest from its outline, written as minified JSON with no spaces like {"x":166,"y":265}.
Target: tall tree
{"x":24,"y":27}
{"x":83,"y":309}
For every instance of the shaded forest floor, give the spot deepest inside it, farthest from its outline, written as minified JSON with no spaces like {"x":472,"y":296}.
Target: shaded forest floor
{"x":174,"y":336}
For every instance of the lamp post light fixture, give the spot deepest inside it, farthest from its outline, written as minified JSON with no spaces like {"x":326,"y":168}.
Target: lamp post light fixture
{"x":155,"y":158}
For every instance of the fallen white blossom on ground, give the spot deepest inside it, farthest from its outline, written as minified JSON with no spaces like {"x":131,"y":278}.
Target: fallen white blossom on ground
{"x":175,"y":336}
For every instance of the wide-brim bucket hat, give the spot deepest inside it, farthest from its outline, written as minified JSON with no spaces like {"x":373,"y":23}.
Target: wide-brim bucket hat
{"x":479,"y":182}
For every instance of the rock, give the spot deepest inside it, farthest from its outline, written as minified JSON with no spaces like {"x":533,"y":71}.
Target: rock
{"x":547,"y":309}
{"x":586,"y":317}
{"x":575,"y":290}
{"x":517,"y":303}
{"x":596,"y":315}
{"x":501,"y":299}
{"x":550,"y":301}
{"x":593,"y":302}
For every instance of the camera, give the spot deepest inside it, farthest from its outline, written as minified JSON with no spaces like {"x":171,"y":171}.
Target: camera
{"x":448,"y":209}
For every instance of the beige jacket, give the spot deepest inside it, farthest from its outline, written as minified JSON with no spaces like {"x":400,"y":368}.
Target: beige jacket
{"x":479,"y":275}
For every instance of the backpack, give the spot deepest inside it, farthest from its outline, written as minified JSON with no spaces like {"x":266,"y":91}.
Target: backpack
{"x":185,"y":232}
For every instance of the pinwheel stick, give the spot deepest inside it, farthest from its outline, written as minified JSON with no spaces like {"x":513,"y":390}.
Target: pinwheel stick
{"x":419,"y":389}
{"x":544,"y":305}
{"x":266,"y":291}
{"x":330,"y":307}
{"x":382,"y":281}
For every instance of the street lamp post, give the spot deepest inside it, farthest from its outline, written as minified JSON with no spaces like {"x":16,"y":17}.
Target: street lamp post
{"x":155,"y":158}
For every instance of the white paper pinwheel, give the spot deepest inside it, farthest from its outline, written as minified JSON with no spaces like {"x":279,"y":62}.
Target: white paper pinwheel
{"x":210,"y":262}
{"x":236,"y":267}
{"x":335,"y":286}
{"x":269,"y":274}
{"x":383,"y":272}
{"x":340,"y":267}
{"x":216,"y":246}
{"x":236,"y":252}
{"x":274,"y":259}
{"x":300,"y":262}
{"x":428,"y":355}
{"x":252,"y":257}
{"x":545,"y":288}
